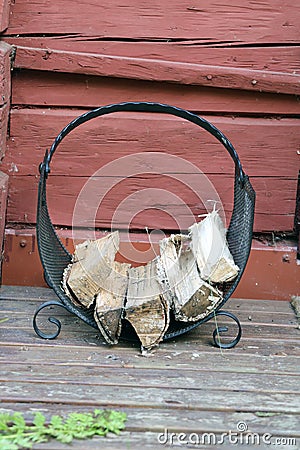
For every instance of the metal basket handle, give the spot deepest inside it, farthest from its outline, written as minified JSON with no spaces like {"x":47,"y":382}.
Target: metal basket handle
{"x":145,"y":107}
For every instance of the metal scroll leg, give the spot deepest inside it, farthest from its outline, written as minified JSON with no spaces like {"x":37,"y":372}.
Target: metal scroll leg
{"x":219,"y":330}
{"x":53,"y":320}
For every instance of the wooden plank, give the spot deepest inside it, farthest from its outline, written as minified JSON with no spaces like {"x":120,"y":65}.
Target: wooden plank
{"x":266,"y":22}
{"x":3,"y":203}
{"x":267,"y":327}
{"x":254,"y":333}
{"x":74,"y":329}
{"x":91,"y":376}
{"x":157,"y":70}
{"x":259,"y":142}
{"x":297,"y":218}
{"x":136,"y":440}
{"x":188,"y":421}
{"x":178,"y":398}
{"x":249,"y":317}
{"x":59,"y":89}
{"x":286,"y":322}
{"x":280,"y":58}
{"x":5,"y":86}
{"x":274,"y":210}
{"x":4,"y":14}
{"x":181,"y":353}
{"x":60,"y":377}
{"x":32,"y":295}
{"x":4,"y":114}
{"x":26,"y":293}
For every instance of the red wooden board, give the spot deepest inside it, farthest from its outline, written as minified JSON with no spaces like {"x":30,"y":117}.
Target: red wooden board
{"x":278,"y":58}
{"x":5,"y":86}
{"x":270,"y":21}
{"x":40,"y":88}
{"x":267,"y":147}
{"x":3,"y":201}
{"x":4,"y":14}
{"x":274,"y":209}
{"x":157,"y":70}
{"x":193,"y":51}
{"x":4,"y":111}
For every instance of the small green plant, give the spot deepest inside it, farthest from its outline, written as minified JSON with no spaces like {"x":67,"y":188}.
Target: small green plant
{"x":15,"y":433}
{"x":266,"y":414}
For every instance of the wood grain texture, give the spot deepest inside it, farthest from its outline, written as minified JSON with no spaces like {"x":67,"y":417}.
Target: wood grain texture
{"x":273,"y":171}
{"x":271,"y":271}
{"x":278,"y":58}
{"x":4,"y":114}
{"x":72,"y":326}
{"x":261,"y":22}
{"x":172,"y":205}
{"x":39,"y":372}
{"x":4,"y":14}
{"x":157,"y":70}
{"x":179,"y":52}
{"x":5,"y":84}
{"x":5,"y":88}
{"x":266,"y":147}
{"x":40,"y":88}
{"x":186,"y":386}
{"x":3,"y":204}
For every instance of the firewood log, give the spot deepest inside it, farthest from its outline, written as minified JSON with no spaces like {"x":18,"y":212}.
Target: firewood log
{"x":110,"y":302}
{"x":209,"y":246}
{"x":92,"y":265}
{"x":192,"y":297}
{"x":147,"y":309}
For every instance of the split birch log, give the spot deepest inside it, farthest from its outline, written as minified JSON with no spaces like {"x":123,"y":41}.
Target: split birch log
{"x":110,"y":301}
{"x":147,"y":309}
{"x":209,"y":246}
{"x":193,"y":298}
{"x":93,"y":261}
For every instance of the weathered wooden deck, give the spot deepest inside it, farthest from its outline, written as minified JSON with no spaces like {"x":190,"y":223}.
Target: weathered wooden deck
{"x":187,"y":386}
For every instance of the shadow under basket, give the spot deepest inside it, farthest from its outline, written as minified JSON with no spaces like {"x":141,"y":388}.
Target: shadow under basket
{"x":55,"y":257}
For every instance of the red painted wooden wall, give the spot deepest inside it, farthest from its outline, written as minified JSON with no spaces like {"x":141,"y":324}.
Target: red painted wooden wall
{"x":238,"y":65}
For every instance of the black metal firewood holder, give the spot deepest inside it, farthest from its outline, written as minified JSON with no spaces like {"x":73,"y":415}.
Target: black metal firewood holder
{"x":55,"y":257}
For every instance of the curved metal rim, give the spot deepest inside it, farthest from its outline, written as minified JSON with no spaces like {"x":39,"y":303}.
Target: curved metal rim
{"x":146,"y":107}
{"x":143,"y":107}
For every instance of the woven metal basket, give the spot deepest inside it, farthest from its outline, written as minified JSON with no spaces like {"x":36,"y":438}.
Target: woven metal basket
{"x":55,"y":257}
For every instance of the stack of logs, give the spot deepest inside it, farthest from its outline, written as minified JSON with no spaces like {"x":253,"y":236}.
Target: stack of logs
{"x":185,"y":279}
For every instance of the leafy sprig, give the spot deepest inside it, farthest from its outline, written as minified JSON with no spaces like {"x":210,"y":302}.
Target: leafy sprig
{"x":15,"y":433}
